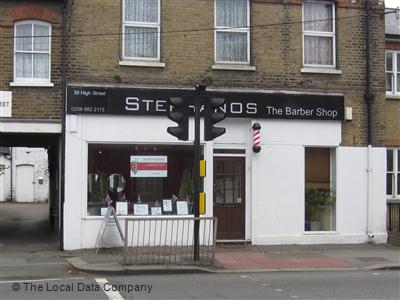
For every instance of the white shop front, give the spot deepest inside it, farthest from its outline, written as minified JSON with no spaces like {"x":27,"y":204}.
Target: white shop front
{"x":303,"y":187}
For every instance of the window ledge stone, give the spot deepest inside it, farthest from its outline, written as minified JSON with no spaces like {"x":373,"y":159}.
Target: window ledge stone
{"x":321,"y":71}
{"x":392,"y":97}
{"x":151,"y":64}
{"x":32,"y":84}
{"x":232,"y":67}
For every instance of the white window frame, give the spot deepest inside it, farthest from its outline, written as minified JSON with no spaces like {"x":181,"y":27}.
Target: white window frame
{"x":395,"y":195}
{"x":394,"y":72}
{"x":321,"y":34}
{"x":234,"y":30}
{"x":143,"y":25}
{"x":28,"y":81}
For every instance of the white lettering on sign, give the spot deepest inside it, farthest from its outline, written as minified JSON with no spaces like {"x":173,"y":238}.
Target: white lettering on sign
{"x":5,"y":104}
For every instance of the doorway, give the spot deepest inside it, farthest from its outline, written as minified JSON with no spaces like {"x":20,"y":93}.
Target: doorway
{"x":229,"y":197}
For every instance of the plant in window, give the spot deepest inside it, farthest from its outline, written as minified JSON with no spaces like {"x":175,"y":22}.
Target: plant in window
{"x":316,"y":199}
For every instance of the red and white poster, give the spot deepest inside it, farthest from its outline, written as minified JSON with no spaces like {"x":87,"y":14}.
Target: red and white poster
{"x":149,"y":166}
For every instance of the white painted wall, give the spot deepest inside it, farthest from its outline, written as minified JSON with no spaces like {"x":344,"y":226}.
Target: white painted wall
{"x":5,"y":179}
{"x":38,"y":158}
{"x":274,"y":177}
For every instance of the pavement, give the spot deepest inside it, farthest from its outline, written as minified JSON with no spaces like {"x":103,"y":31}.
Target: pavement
{"x":28,"y":248}
{"x":228,"y":258}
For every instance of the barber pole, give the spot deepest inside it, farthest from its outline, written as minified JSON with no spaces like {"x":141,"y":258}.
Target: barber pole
{"x":256,"y":137}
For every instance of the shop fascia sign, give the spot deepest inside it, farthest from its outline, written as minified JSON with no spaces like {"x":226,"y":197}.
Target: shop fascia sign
{"x":140,"y":101}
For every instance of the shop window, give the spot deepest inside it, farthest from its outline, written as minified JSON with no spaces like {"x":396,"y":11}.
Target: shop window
{"x":393,"y":73}
{"x":319,"y":34}
{"x":140,"y":179}
{"x":32,"y":49}
{"x":141,"y":29}
{"x":393,"y":173}
{"x":320,"y":199}
{"x":232,"y":31}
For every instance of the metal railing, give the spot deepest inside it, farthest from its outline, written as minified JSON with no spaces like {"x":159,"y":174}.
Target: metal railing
{"x":169,"y":240}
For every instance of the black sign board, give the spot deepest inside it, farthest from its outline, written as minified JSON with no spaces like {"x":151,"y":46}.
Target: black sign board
{"x":138,"y":101}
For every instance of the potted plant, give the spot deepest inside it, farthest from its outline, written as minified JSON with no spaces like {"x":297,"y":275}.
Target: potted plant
{"x":316,"y":199}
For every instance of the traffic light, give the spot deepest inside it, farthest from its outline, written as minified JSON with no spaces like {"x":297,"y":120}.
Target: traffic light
{"x":213,"y":115}
{"x":180,"y":115}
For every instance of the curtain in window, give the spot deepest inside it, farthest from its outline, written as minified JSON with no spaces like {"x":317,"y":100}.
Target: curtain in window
{"x":24,"y":37}
{"x":31,"y":40}
{"x":231,"y":46}
{"x":231,"y":13}
{"x":141,"y":42}
{"x":41,"y":38}
{"x":23,"y":65}
{"x":40,"y":66}
{"x":318,"y":50}
{"x":315,"y":11}
{"x":141,"y":11}
{"x":389,"y":72}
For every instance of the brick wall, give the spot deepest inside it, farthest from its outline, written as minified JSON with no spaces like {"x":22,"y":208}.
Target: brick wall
{"x":276,"y":52}
{"x":31,"y":102}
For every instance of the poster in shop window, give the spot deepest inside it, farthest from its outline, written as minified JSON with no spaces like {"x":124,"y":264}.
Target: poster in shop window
{"x":149,"y":166}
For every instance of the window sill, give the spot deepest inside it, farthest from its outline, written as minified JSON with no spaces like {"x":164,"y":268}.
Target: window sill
{"x":231,"y":67}
{"x":320,"y":232}
{"x":393,"y":96}
{"x":321,"y":71}
{"x":151,"y":64}
{"x":32,"y":84}
{"x":89,"y":217}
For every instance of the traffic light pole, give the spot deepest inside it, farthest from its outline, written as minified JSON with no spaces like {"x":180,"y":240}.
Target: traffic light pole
{"x":196,"y":170}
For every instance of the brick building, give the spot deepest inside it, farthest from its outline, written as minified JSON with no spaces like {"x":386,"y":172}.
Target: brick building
{"x":30,"y":85}
{"x":310,"y":73}
{"x":392,"y":117}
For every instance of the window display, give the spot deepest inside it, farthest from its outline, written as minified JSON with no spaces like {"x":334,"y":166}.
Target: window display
{"x":140,"y":179}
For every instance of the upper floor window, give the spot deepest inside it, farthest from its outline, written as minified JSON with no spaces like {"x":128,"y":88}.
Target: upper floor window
{"x":32,"y":52}
{"x":141,"y":29}
{"x":393,"y":173}
{"x":232,"y":32}
{"x":319,"y":34}
{"x":393,"y":72}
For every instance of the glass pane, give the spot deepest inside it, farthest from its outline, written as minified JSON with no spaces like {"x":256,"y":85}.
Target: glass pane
{"x":389,"y":61}
{"x":389,"y":160}
{"x":389,"y":82}
{"x":41,"y":38}
{"x":232,"y":46}
{"x":220,"y":197}
{"x":228,"y":167}
{"x":41,"y":66}
{"x":219,"y":183}
{"x":141,"y":42}
{"x":398,"y":183}
{"x":318,"y":50}
{"x":231,"y":13}
{"x":228,"y":196}
{"x":398,"y":160}
{"x":228,"y":183}
{"x":389,"y":184}
{"x":398,"y":62}
{"x":398,"y":82}
{"x":23,"y":65}
{"x":318,"y":17}
{"x":24,"y":37}
{"x":141,"y":11}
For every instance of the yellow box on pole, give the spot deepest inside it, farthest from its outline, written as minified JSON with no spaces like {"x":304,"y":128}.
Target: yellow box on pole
{"x":202,"y":168}
{"x":202,"y":203}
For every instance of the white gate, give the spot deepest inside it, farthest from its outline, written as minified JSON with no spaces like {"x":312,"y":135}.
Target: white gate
{"x":25,"y":191}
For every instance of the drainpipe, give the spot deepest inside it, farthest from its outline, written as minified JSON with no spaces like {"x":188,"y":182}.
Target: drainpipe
{"x":368,"y":97}
{"x":63,"y":103}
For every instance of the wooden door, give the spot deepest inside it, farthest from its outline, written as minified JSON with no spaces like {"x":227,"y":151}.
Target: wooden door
{"x":229,"y":197}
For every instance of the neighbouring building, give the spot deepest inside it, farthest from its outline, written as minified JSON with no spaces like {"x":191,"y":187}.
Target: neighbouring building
{"x":392,"y":117}
{"x":310,"y":73}
{"x":31,"y":93}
